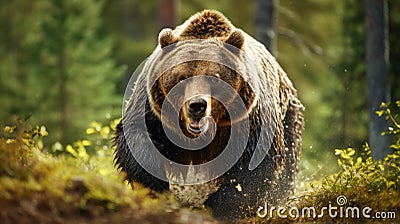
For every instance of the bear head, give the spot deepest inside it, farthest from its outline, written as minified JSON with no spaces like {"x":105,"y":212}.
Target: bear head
{"x":204,"y":80}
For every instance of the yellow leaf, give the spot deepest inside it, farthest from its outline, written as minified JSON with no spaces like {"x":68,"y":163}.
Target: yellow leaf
{"x":43,"y":131}
{"x":389,"y":184}
{"x":86,"y":142}
{"x":9,"y":129}
{"x":10,"y":140}
{"x":351,"y":151}
{"x":83,"y":154}
{"x":113,"y":124}
{"x":71,"y":150}
{"x":57,"y":147}
{"x":105,"y":130}
{"x":380,"y":113}
{"x":95,"y":124}
{"x":90,"y":131}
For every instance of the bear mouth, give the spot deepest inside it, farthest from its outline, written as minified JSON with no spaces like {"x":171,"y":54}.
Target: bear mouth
{"x":197,"y":126}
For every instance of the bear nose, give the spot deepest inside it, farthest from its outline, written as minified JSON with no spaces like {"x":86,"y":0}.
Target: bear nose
{"x":197,"y":107}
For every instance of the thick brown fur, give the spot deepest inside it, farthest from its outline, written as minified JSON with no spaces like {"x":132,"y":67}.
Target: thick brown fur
{"x":275,"y":100}
{"x":204,"y":25}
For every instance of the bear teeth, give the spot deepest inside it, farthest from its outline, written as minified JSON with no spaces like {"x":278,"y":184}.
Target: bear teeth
{"x":197,"y":126}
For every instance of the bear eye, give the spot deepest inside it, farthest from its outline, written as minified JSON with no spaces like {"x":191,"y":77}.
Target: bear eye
{"x":181,"y":78}
{"x":215,"y":78}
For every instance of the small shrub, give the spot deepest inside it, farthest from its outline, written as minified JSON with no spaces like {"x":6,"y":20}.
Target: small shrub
{"x":362,"y":181}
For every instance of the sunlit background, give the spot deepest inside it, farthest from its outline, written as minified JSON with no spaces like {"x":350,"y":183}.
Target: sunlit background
{"x":65,"y":64}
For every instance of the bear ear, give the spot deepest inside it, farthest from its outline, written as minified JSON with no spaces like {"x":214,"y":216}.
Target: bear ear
{"x":236,"y":38}
{"x":166,"y":38}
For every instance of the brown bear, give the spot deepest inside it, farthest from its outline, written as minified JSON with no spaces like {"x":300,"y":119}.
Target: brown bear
{"x":213,"y":118}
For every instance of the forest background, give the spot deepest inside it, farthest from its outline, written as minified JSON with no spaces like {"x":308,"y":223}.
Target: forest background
{"x":65,"y":64}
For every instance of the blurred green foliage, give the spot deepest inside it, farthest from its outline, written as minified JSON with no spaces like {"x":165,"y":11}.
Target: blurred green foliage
{"x":56,"y":66}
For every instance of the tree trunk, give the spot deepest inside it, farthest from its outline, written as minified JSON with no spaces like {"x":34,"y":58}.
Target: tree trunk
{"x":167,"y":13}
{"x":377,"y":73}
{"x":265,"y":17}
{"x":63,"y":97}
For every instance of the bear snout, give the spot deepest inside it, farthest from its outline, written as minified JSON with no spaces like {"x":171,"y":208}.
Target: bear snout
{"x":197,"y":107}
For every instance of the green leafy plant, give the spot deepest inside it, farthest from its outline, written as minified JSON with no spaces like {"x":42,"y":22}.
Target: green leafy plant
{"x":362,"y":180}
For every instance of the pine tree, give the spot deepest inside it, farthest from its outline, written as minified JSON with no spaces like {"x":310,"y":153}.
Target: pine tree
{"x":72,"y":77}
{"x":15,"y":97}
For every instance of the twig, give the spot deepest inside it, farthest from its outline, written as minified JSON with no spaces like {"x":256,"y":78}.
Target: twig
{"x":300,"y":40}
